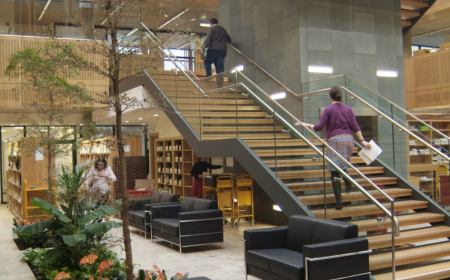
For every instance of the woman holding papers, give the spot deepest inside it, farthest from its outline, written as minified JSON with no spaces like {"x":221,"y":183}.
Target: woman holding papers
{"x":340,"y":122}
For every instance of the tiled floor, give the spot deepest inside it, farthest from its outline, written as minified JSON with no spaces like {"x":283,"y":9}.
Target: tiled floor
{"x":218,"y":263}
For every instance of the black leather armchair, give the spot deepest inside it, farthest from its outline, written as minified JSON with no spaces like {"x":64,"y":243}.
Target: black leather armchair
{"x":139,"y":210}
{"x":194,"y":222}
{"x":308,"y":248}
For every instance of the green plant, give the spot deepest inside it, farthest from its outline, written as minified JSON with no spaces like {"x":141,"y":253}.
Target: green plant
{"x":37,"y":240}
{"x":77,"y":227}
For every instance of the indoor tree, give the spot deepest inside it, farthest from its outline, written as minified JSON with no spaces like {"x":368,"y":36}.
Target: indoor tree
{"x":109,"y":19}
{"x":45,"y":70}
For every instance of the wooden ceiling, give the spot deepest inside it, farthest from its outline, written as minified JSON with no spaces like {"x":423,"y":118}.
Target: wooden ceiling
{"x":412,"y":11}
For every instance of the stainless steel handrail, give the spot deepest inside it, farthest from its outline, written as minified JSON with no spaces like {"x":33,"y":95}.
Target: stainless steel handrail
{"x":168,"y":50}
{"x":394,"y":221}
{"x":331,"y":77}
{"x":400,"y":108}
{"x":396,"y":123}
{"x":262,"y":69}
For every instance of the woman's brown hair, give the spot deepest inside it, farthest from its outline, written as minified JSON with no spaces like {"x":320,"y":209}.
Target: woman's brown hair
{"x":335,"y":93}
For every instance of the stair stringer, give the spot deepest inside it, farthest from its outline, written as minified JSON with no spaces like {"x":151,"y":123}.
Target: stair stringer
{"x":234,"y":147}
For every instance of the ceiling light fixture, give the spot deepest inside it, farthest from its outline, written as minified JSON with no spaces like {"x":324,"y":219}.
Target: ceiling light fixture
{"x":45,"y":8}
{"x":12,"y":124}
{"x":278,"y":95}
{"x":387,"y":73}
{"x":140,"y":119}
{"x":192,"y":19}
{"x":176,"y":16}
{"x":320,"y":69}
{"x":127,"y":121}
{"x":276,"y":208}
{"x":156,"y":115}
{"x":205,"y":24}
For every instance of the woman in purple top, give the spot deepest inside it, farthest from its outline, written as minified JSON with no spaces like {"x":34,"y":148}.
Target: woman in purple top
{"x":340,"y":122}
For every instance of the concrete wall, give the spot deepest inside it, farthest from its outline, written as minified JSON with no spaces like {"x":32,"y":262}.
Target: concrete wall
{"x":356,"y":38}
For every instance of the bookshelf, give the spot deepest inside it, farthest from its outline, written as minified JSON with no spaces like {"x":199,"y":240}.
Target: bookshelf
{"x":174,"y":159}
{"x":422,"y":162}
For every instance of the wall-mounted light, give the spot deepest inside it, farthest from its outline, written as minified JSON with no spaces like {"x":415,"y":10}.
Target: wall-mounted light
{"x":387,"y":73}
{"x":320,"y":69}
{"x":176,"y":16}
{"x":205,"y":24}
{"x":238,"y":68}
{"x":276,"y":208}
{"x":278,"y":95}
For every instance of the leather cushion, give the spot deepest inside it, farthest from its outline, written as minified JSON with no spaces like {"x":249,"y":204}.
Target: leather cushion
{"x":169,"y":226}
{"x":281,"y":261}
{"x":156,"y":197}
{"x":329,"y":230}
{"x":187,"y":204}
{"x":137,"y":216}
{"x":168,"y":197}
{"x":205,"y":204}
{"x":300,"y":232}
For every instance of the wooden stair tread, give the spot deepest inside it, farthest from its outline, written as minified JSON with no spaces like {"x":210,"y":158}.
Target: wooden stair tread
{"x":284,"y":175}
{"x":241,"y":129}
{"x":243,"y":136}
{"x":284,"y":143}
{"x":204,"y":101}
{"x":354,"y":196}
{"x":305,"y":162}
{"x":197,"y":121}
{"x":369,"y":209}
{"x":306,"y":186}
{"x":210,"y":108}
{"x":190,"y":114}
{"x":286,"y":152}
{"x":406,"y":237}
{"x":404,"y":220}
{"x":408,"y":256}
{"x":429,"y":272}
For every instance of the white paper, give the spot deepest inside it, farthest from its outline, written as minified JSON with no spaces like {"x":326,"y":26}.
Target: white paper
{"x":412,"y":142}
{"x":230,"y":161}
{"x":39,"y":154}
{"x":126,"y":149}
{"x":370,"y":155}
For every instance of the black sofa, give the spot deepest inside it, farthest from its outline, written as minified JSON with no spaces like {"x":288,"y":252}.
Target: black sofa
{"x":322,"y":249}
{"x":194,"y":222}
{"x":139,"y":210}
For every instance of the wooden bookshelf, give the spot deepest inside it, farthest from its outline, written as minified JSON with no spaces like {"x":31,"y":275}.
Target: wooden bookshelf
{"x":25,"y":179}
{"x":174,"y":159}
{"x":424,"y":163}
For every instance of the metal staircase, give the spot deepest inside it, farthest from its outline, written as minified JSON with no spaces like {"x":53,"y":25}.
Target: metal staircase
{"x":240,"y":120}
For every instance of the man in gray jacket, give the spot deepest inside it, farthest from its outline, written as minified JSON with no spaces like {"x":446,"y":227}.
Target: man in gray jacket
{"x":216,"y":42}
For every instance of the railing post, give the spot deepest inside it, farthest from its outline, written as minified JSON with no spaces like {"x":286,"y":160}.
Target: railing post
{"x":393,"y":233}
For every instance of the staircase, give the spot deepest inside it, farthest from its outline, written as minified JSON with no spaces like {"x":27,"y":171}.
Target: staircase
{"x":422,"y":245}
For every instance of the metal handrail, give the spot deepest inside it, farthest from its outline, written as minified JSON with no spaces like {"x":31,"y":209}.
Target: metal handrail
{"x":262,"y":69}
{"x":396,"y":123}
{"x":168,"y":50}
{"x":331,"y":77}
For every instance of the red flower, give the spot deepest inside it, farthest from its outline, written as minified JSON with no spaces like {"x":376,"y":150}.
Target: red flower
{"x":88,"y":259}
{"x":62,"y":275}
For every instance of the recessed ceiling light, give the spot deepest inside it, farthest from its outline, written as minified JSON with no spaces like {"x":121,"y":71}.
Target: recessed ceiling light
{"x":205,"y":24}
{"x":192,"y":19}
{"x":155,"y":115}
{"x":140,"y":119}
{"x":12,"y":124}
{"x":127,"y":121}
{"x":166,"y":15}
{"x":143,"y":124}
{"x":19,"y":127}
{"x":81,"y":124}
{"x":3,"y":130}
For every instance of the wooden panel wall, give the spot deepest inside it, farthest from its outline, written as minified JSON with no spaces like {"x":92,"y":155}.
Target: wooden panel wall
{"x":427,"y":80}
{"x":94,"y":82}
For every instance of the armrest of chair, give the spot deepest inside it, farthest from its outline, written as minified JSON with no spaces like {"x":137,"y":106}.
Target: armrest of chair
{"x":342,"y":258}
{"x":338,"y":247}
{"x":199,"y":215}
{"x":266,"y":238}
{"x":165,"y":211}
{"x":138,"y":204}
{"x":147,"y":207}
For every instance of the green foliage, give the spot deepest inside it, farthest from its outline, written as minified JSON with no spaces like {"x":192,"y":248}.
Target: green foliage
{"x":77,"y":225}
{"x":37,"y":240}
